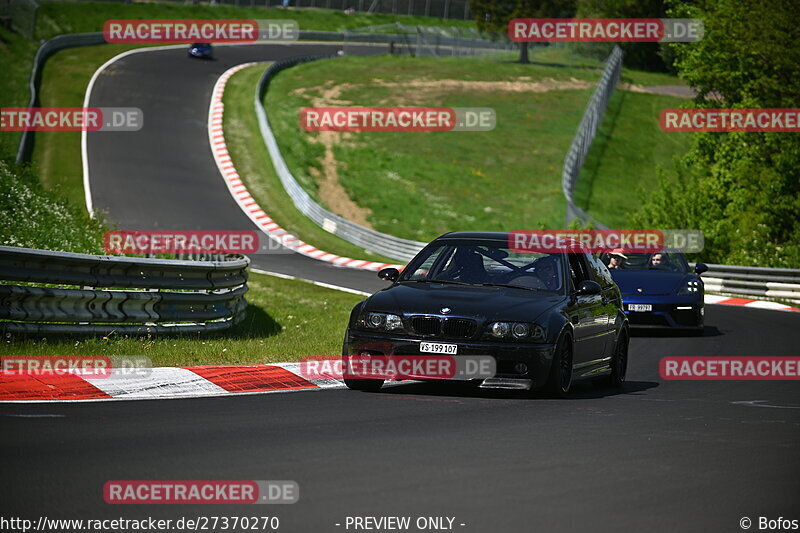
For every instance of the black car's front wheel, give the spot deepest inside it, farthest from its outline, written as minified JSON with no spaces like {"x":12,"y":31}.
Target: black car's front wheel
{"x":369,"y":385}
{"x":560,"y":379}
{"x":619,"y":361}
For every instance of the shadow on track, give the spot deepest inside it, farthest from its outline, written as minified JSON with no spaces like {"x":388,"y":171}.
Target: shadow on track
{"x":708,"y":331}
{"x":581,"y":391}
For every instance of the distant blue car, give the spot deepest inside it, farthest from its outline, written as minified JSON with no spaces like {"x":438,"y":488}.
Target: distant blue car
{"x":659,"y":289}
{"x":201,"y":50}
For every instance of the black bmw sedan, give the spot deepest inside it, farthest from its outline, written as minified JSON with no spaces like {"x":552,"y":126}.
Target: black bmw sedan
{"x":547,"y":319}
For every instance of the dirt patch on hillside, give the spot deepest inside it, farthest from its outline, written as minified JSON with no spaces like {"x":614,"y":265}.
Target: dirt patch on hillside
{"x":331,"y":191}
{"x":421,"y":91}
{"x":416,"y":92}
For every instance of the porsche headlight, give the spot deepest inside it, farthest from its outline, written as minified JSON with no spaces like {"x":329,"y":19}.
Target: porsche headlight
{"x":691,"y":287}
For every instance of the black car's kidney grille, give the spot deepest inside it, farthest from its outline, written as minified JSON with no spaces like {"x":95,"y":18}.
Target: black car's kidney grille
{"x":458,"y":327}
{"x":426,"y":325}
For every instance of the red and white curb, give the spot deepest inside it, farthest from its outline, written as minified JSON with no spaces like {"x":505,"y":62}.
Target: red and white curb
{"x":162,"y":383}
{"x":746,"y":302}
{"x":242,"y":196}
{"x":204,"y":381}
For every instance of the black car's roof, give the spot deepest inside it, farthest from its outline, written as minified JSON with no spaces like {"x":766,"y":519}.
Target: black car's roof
{"x":495,"y":237}
{"x":475,"y":235}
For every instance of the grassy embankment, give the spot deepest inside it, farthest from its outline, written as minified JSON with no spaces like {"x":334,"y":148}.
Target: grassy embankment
{"x":419,"y":185}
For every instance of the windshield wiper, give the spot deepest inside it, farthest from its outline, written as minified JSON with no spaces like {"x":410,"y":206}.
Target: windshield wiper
{"x":435,"y":281}
{"x":509,"y":285}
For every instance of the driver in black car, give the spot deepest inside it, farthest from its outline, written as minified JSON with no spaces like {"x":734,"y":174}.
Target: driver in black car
{"x":467,"y":267}
{"x":546,"y":270}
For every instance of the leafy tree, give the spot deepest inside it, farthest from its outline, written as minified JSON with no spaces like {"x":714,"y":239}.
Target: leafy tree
{"x":741,"y":189}
{"x":646,"y":56}
{"x":492,"y":16}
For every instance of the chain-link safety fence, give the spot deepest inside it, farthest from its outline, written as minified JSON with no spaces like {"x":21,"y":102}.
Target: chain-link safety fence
{"x":444,"y":9}
{"x":19,"y":16}
{"x":430,"y":41}
{"x":587,"y":129}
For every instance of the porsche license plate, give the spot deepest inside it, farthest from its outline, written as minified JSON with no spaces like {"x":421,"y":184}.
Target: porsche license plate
{"x":640,"y":307}
{"x":436,"y":347}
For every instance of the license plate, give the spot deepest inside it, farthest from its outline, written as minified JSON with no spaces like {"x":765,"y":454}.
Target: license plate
{"x":640,"y":307}
{"x":436,"y":347}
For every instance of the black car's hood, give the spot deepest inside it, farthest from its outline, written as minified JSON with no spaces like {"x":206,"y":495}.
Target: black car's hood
{"x":649,"y":282}
{"x":487,"y":303}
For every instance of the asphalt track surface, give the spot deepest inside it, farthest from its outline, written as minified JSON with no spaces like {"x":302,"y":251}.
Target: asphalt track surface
{"x":657,"y":456}
{"x":164,"y":176}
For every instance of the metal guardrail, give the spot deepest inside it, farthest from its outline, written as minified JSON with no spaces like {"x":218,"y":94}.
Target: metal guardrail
{"x":212,"y":297}
{"x":757,"y":282}
{"x":69,"y":40}
{"x":587,"y":129}
{"x":47,"y":49}
{"x":374,"y":241}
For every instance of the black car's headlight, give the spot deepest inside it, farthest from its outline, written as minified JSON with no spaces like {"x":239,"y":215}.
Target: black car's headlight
{"x":516,"y":331}
{"x":381,"y":321}
{"x":691,"y":287}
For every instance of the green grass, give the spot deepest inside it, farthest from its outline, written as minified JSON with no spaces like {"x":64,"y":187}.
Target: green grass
{"x":255,"y":168}
{"x":35,"y":218}
{"x":57,"y":154}
{"x":421,"y":184}
{"x":285,"y":321}
{"x":57,"y":157}
{"x":56,"y":18}
{"x":16,"y":56}
{"x":621,"y":165}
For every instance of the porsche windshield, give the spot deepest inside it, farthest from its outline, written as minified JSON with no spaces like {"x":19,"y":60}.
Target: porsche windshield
{"x":665,"y":261}
{"x":479,"y":264}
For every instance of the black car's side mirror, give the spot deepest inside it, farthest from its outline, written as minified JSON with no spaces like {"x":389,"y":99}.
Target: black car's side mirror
{"x":389,"y":274}
{"x":588,"y":288}
{"x":699,"y":268}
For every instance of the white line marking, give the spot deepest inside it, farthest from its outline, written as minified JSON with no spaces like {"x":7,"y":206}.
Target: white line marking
{"x":762,"y":403}
{"x":87,"y":194}
{"x":319,"y":283}
{"x":87,"y":188}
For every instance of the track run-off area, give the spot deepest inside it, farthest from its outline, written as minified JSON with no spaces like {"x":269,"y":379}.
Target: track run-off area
{"x":656,"y":456}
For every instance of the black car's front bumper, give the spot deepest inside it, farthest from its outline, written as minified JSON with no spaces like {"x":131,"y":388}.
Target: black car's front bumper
{"x":507,"y":355}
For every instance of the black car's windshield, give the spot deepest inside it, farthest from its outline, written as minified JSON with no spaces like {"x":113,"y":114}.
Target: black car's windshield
{"x":487,"y":264}
{"x":664,"y":261}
